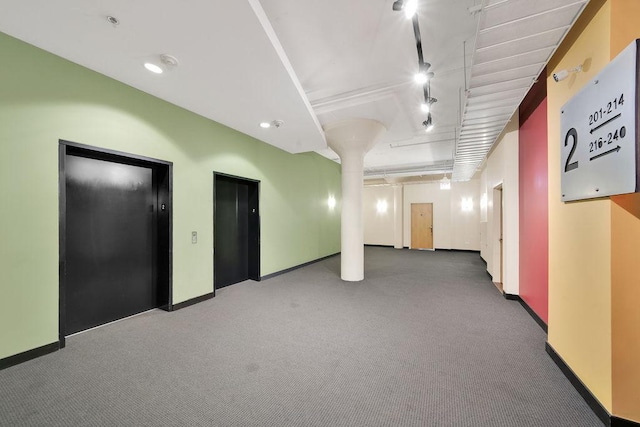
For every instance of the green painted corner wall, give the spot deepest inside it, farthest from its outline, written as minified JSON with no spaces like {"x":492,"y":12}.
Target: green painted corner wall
{"x":44,"y":98}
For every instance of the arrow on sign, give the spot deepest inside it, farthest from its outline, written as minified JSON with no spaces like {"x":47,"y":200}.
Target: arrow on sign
{"x":606,"y":152}
{"x":604,"y":123}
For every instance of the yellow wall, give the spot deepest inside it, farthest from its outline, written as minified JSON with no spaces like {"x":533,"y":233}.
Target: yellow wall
{"x":579,"y":281}
{"x":625,"y":296}
{"x":625,"y":255}
{"x":594,"y":321}
{"x":625,"y":24}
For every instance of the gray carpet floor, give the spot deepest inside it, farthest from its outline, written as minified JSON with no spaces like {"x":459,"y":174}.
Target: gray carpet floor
{"x":425,"y":340}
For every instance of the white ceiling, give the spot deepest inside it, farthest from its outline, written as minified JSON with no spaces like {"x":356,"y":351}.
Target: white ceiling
{"x":231,"y":67}
{"x":357,"y":58}
{"x":310,"y":63}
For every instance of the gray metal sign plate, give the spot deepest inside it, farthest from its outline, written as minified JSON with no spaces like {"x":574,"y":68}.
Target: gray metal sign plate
{"x":599,"y":135}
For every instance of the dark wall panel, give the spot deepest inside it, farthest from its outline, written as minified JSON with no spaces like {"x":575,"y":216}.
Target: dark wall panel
{"x":110,"y":257}
{"x":236,"y":229}
{"x":230,"y":232}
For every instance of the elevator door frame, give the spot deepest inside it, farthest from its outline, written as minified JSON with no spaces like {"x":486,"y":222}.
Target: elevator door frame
{"x":254,"y":268}
{"x":164,"y":243}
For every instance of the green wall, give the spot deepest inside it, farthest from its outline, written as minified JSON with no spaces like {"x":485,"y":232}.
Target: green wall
{"x":44,"y":98}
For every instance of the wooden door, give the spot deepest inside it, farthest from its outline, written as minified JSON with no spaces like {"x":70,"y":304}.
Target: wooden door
{"x":422,"y":226}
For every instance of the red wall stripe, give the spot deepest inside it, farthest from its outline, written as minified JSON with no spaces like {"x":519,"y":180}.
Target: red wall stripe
{"x":534,"y":211}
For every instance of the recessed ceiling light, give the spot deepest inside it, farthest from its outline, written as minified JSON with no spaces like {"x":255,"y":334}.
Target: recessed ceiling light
{"x":113,"y":20}
{"x":153,"y":68}
{"x":426,"y":107}
{"x":168,"y":60}
{"x":275,"y":123}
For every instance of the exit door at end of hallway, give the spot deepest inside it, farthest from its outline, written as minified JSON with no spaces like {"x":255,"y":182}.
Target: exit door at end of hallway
{"x":422,"y":226}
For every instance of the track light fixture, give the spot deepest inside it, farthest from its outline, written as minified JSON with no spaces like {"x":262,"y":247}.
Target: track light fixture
{"x":428,"y":124}
{"x":423,"y":76}
{"x":426,"y":105}
{"x":408,"y":6}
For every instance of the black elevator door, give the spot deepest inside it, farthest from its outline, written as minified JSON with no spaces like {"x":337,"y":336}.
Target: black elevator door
{"x":110,"y":218}
{"x":231,"y":232}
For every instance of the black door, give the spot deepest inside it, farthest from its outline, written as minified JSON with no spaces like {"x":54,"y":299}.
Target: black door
{"x":111,"y":241}
{"x":236,"y":231}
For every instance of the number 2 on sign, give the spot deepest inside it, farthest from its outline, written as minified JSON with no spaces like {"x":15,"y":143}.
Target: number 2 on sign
{"x":573,"y":133}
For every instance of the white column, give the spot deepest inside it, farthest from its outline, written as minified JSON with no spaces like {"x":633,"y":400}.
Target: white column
{"x":351,"y":139}
{"x":397,"y":217}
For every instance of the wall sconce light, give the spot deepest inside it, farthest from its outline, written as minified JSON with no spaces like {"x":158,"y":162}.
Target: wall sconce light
{"x":563,"y":74}
{"x":331,"y":202}
{"x":467,"y":204}
{"x":382,"y":206}
{"x":483,"y":201}
{"x":445,"y":183}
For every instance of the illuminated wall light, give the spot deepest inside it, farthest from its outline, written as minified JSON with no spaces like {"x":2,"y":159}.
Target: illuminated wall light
{"x":331,"y":202}
{"x":445,"y":183}
{"x":382,"y":206}
{"x":483,"y":201}
{"x":467,"y":204}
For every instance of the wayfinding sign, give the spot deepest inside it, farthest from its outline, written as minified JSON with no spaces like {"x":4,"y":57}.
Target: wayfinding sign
{"x":599,"y":135}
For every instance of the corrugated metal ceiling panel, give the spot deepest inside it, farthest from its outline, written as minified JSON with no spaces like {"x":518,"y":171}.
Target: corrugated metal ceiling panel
{"x":515,"y":40}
